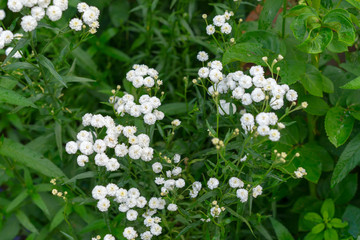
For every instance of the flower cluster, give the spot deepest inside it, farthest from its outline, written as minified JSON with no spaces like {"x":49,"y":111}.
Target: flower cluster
{"x":37,"y":11}
{"x":141,"y":75}
{"x":136,"y":147}
{"x":220,"y":21}
{"x":90,"y":16}
{"x":300,"y":172}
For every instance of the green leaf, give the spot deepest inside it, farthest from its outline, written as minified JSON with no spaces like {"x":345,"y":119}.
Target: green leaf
{"x":245,"y":52}
{"x":29,"y":158}
{"x":313,"y":81}
{"x":317,"y":106}
{"x":299,"y":27}
{"x":170,"y":109}
{"x":313,"y":217}
{"x":338,"y":125}
{"x":40,"y":203}
{"x":336,"y":46}
{"x":57,"y":219}
{"x":19,"y":65}
{"x":317,"y":41}
{"x":46,"y":63}
{"x":268,"y":13}
{"x":25,"y":221}
{"x":318,"y":228}
{"x":300,"y":9}
{"x":339,"y":22}
{"x":337,"y":223}
{"x":187,"y":228}
{"x":329,"y":207}
{"x":328,"y":85}
{"x":12,"y":97}
{"x":313,"y":236}
{"x":84,"y":175}
{"x":232,"y":212}
{"x":58,"y":138}
{"x":352,"y":216}
{"x":17,"y":201}
{"x":280,"y":230}
{"x":348,"y":160}
{"x":119,"y":12}
{"x":355,"y":3}
{"x":353,"y":84}
{"x":344,"y":191}
{"x":68,"y":79}
{"x":116,"y":54}
{"x":22,"y":43}
{"x":330,"y":234}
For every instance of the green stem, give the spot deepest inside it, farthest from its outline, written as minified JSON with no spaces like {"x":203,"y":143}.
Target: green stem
{"x":283,"y":19}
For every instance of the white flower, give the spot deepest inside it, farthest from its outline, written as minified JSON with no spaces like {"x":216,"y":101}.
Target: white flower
{"x":81,"y":160}
{"x":213,"y":183}
{"x":257,"y":95}
{"x":99,"y":192}
{"x":226,"y":28}
{"x":235,"y":182}
{"x":180,"y":183}
{"x":256,"y":70}
{"x":103,"y":204}
{"x":203,"y":72}
{"x":133,"y":193}
{"x":176,"y":171}
{"x":238,"y":93}
{"x":129,"y":233}
{"x":146,"y":235}
{"x":291,"y":95}
{"x":242,"y":194}
{"x":44,"y":3}
{"x":177,"y":158}
{"x":111,"y":189}
{"x":91,"y":15}
{"x":86,"y":148}
{"x":86,"y":119}
{"x":276,"y":103}
{"x":28,"y":23}
{"x":62,"y":4}
{"x":243,"y":159}
{"x":257,"y":191}
{"x":131,"y":215}
{"x":272,"y":118}
{"x":274,"y":135}
{"x":215,"y":211}
{"x":263,"y":130}
{"x":300,"y":172}
{"x":246,"y":99}
{"x":149,"y":119}
{"x":121,"y":194}
{"x":76,"y":24}
{"x":153,"y":203}
{"x":141,"y":202}
{"x":245,"y":81}
{"x":176,"y":122}
{"x":210,"y":29}
{"x":82,"y":7}
{"x":147,"y":154}
{"x":149,"y":82}
{"x":99,"y":146}
{"x":16,"y":55}
{"x":156,"y":229}
{"x":38,"y":13}
{"x":101,"y":159}
{"x":159,"y":180}
{"x":172,"y":207}
{"x":121,"y":150}
{"x":112,"y":165}
{"x":247,"y":119}
{"x":135,"y":152}
{"x":110,"y":141}
{"x":71,"y":147}
{"x":109,"y":237}
{"x":193,"y":193}
{"x":259,"y":81}
{"x":215,"y":75}
{"x":197,"y":186}
{"x":202,"y":56}
{"x":29,"y":3}
{"x":157,"y":167}
{"x":224,"y":108}
{"x":54,"y":13}
{"x":169,"y":184}
{"x":216,"y":65}
{"x":15,"y":5}
{"x":219,"y":20}
{"x":131,"y":202}
{"x":97,"y":121}
{"x":155,"y":102}
{"x":262,"y":118}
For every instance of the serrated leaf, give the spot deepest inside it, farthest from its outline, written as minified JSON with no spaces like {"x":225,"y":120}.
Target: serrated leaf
{"x":338,"y":125}
{"x":348,"y":160}
{"x":341,"y":23}
{"x":12,"y":97}
{"x":313,"y":81}
{"x":353,"y":84}
{"x":317,"y":106}
{"x":317,"y":41}
{"x":282,"y":233}
{"x":355,"y":3}
{"x":29,"y":158}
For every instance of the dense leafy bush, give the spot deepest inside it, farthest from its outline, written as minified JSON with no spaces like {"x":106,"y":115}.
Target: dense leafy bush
{"x":182,"y":119}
